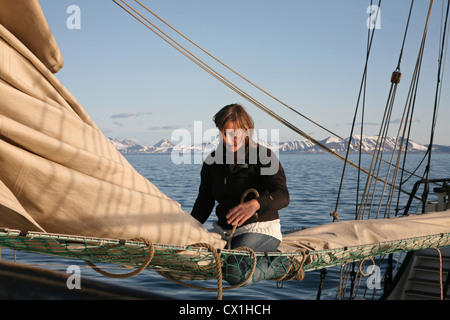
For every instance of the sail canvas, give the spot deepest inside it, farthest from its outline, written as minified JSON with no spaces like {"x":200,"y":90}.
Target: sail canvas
{"x":59,"y":173}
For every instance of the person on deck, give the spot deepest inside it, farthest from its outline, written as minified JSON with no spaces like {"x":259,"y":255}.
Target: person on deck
{"x":249,"y":184}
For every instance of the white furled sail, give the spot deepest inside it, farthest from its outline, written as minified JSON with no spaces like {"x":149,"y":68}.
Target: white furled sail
{"x":372,"y":233}
{"x":59,"y":173}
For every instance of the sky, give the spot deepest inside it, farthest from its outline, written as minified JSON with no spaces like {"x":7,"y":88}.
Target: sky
{"x":308,"y":54}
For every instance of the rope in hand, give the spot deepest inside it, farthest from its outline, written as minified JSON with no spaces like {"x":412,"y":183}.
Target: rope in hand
{"x":242,"y":201}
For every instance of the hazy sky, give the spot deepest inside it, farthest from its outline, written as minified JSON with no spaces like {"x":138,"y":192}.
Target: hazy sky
{"x":308,"y":54}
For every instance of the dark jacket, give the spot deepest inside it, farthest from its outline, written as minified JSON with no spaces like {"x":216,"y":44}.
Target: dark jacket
{"x":226,"y":183}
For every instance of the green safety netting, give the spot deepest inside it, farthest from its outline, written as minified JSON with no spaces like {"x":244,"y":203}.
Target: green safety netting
{"x":199,"y":261}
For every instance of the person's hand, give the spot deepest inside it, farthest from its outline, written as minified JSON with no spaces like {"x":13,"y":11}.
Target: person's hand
{"x":242,"y":212}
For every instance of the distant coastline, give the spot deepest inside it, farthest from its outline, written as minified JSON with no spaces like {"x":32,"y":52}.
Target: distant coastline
{"x":166,"y":146}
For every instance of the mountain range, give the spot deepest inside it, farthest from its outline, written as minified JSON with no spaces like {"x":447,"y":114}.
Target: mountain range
{"x":295,"y":146}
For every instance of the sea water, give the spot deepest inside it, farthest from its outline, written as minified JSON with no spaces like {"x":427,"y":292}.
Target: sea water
{"x":314,"y":182}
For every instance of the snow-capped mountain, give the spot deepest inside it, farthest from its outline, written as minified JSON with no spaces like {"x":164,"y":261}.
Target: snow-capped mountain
{"x":164,"y":143}
{"x":295,"y":146}
{"x":368,"y":143}
{"x":123,"y":144}
{"x":130,"y":146}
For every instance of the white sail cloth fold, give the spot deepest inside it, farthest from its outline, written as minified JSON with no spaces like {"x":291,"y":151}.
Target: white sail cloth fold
{"x":338,"y":235}
{"x":26,"y":21}
{"x":59,"y":173}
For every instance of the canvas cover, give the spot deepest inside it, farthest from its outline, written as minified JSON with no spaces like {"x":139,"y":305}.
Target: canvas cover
{"x":59,"y":173}
{"x":343,"y":234}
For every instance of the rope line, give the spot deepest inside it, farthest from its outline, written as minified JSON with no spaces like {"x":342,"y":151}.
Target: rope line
{"x":362,"y":87}
{"x":440,"y":273}
{"x":218,"y":268}
{"x":406,"y":118}
{"x":139,"y":17}
{"x":253,"y":84}
{"x":244,"y":195}
{"x":133,"y":273}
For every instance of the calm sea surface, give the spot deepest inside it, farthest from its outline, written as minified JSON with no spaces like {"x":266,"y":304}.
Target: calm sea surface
{"x":313,"y":181}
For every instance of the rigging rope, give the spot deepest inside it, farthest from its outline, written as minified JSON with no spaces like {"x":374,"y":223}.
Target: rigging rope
{"x":147,"y":23}
{"x":406,"y":118}
{"x":362,"y":86}
{"x":370,"y":187}
{"x":440,"y":273}
{"x":437,"y":97}
{"x":252,"y":83}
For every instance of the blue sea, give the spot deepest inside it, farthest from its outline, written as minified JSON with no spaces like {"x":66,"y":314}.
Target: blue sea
{"x":313,"y":181}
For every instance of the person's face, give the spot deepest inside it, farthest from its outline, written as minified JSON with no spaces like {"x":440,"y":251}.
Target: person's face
{"x":233,"y":136}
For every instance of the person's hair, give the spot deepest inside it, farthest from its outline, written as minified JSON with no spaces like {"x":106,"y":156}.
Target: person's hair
{"x":236,"y":113}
